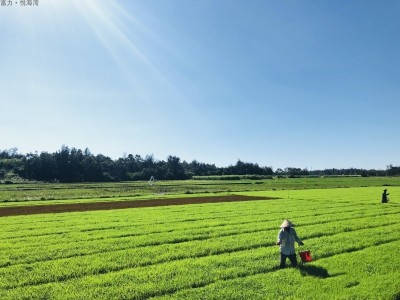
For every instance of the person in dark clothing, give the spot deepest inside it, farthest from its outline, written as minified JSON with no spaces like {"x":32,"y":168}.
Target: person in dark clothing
{"x":385,"y":195}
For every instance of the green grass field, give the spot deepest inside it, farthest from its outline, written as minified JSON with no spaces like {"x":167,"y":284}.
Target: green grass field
{"x":209,"y":251}
{"x":47,"y":193}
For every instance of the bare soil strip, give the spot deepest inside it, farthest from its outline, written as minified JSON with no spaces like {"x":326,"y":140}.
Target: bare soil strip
{"x":76,"y":207}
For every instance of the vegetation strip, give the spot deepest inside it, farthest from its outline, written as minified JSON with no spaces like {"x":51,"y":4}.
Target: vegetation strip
{"x":219,"y":251}
{"x":49,"y":254}
{"x":135,"y":257}
{"x":76,"y":207}
{"x":268,"y":277}
{"x":32,"y":233}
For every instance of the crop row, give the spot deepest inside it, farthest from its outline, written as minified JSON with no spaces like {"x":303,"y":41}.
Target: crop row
{"x":80,"y":222}
{"x":349,"y":275}
{"x":188,"y":251}
{"x":334,"y":197}
{"x":333,"y":239}
{"x":104,"y":229}
{"x":62,"y":247}
{"x":172,"y":276}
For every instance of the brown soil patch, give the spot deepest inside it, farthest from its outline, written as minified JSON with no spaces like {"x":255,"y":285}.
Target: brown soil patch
{"x":76,"y":207}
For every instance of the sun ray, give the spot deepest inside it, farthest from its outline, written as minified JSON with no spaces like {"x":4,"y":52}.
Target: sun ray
{"x":108,"y":32}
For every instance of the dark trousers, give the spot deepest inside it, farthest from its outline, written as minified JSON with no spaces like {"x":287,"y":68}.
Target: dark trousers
{"x":292,"y":259}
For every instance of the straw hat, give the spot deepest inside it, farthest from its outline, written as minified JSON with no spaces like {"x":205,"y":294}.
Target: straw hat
{"x":287,"y":223}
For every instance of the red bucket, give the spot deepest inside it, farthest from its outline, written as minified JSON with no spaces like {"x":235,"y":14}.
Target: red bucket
{"x":305,"y":256}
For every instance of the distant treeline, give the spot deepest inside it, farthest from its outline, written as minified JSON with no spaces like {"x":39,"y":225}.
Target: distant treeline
{"x":75,"y":165}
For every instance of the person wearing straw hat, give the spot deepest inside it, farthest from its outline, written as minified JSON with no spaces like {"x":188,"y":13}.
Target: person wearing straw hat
{"x":286,"y":238}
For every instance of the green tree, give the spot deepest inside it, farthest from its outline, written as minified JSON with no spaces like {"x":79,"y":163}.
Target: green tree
{"x":174,"y":168}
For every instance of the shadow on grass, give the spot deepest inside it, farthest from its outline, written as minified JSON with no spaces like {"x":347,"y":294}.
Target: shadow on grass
{"x":310,"y":270}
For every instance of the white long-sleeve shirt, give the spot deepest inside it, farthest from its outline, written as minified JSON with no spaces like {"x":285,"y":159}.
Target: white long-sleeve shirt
{"x":286,"y":241}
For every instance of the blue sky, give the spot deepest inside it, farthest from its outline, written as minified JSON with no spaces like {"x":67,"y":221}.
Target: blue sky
{"x":308,"y":84}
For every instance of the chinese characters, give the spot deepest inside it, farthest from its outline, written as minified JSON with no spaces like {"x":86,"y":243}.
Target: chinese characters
{"x":19,"y":3}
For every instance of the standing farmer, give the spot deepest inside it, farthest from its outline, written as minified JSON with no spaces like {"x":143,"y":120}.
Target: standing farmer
{"x":385,"y":196}
{"x":286,"y":238}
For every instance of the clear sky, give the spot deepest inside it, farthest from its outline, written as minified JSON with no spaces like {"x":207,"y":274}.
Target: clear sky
{"x":307,"y":84}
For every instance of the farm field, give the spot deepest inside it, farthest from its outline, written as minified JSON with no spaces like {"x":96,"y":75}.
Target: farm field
{"x":210,"y":251}
{"x":49,"y":193}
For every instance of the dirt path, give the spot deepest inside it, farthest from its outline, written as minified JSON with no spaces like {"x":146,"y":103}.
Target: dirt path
{"x":62,"y":208}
